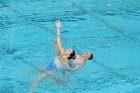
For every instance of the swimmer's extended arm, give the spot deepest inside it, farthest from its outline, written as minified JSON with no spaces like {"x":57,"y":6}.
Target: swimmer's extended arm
{"x":58,"y":53}
{"x":59,"y":41}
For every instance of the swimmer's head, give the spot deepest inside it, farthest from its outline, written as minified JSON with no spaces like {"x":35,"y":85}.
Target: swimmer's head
{"x":70,"y":53}
{"x":87,"y":56}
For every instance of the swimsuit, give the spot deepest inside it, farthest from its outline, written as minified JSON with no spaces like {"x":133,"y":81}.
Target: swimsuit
{"x":54,"y":66}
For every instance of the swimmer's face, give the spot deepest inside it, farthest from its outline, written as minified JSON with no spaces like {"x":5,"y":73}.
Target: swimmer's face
{"x":68,"y":51}
{"x":87,"y":55}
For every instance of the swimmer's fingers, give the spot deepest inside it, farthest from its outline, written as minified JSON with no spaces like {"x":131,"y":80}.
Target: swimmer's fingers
{"x":58,"y":24}
{"x":57,"y":21}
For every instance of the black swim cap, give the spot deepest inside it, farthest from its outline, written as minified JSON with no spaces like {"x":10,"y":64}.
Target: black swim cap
{"x":72,"y":55}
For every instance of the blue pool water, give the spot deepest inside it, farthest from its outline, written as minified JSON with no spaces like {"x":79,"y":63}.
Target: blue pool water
{"x":108,"y":28}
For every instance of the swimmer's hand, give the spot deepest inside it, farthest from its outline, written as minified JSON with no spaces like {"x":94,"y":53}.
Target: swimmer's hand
{"x":58,"y":24}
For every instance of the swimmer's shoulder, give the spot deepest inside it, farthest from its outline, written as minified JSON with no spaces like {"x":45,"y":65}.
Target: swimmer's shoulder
{"x":79,"y":60}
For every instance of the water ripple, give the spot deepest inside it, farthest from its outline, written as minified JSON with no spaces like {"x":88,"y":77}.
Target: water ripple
{"x":5,"y":22}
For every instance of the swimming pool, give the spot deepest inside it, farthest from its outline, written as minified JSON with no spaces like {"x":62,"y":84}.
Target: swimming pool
{"x":108,"y":28}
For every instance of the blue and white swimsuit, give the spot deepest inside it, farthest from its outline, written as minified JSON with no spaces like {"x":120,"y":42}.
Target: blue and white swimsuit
{"x":55,"y":65}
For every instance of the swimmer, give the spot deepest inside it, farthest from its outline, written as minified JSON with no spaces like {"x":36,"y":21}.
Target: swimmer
{"x":79,"y":61}
{"x":60,"y":62}
{"x":65,"y":59}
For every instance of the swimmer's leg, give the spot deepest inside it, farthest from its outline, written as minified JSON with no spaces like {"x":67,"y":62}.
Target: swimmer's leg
{"x":38,"y":80}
